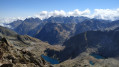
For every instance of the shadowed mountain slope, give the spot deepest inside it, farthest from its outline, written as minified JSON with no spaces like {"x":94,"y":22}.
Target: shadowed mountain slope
{"x":55,"y":30}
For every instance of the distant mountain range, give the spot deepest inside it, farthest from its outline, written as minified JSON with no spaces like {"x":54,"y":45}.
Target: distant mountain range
{"x":55,"y":30}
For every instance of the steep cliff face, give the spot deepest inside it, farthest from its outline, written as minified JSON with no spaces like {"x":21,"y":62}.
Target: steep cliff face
{"x":13,"y":57}
{"x":105,"y":43}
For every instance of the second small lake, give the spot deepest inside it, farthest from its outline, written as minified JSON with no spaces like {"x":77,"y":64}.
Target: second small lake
{"x":50,"y":60}
{"x":97,"y":56}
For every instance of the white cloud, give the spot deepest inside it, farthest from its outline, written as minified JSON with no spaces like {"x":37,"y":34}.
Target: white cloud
{"x":5,"y":21}
{"x":45,"y":14}
{"x":55,"y":13}
{"x":10,"y":19}
{"x":42,"y":15}
{"x":106,"y":14}
{"x":76,"y":12}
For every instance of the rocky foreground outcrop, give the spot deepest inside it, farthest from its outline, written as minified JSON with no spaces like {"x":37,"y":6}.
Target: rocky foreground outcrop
{"x":13,"y":57}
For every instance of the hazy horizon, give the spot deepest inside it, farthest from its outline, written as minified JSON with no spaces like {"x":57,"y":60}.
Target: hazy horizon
{"x":11,"y":10}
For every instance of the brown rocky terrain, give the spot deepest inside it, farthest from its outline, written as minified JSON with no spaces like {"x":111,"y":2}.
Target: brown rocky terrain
{"x":22,"y":50}
{"x":13,"y":57}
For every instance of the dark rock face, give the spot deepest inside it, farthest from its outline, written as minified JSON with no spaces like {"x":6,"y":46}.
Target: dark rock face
{"x":55,"y":33}
{"x":106,"y":44}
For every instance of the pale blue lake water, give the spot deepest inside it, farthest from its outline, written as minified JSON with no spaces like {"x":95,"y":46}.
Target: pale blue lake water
{"x":97,"y":57}
{"x":50,"y":60}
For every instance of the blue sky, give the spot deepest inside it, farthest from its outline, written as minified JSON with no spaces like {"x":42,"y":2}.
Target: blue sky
{"x":23,"y":8}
